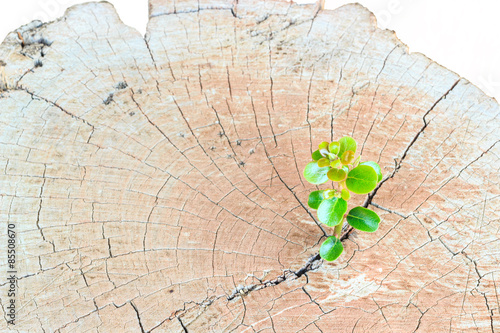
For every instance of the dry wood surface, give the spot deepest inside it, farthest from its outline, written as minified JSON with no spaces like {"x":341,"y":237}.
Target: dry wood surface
{"x":156,"y":184}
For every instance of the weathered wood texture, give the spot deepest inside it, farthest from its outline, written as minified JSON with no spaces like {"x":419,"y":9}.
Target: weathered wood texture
{"x":156,"y":182}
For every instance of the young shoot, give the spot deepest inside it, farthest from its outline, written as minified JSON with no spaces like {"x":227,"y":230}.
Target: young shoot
{"x":336,"y":161}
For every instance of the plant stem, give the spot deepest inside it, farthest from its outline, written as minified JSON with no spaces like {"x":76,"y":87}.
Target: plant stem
{"x":338,"y":229}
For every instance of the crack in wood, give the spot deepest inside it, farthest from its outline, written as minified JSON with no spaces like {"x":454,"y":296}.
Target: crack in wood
{"x":169,"y":204}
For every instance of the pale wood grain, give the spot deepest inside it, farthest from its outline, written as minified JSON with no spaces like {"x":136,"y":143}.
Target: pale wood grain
{"x":156,"y":181}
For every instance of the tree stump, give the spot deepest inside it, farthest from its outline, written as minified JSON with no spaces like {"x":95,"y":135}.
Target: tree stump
{"x":155,"y":183}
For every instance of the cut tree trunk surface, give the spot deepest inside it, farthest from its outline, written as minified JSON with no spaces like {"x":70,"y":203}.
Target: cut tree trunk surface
{"x":156,"y":185}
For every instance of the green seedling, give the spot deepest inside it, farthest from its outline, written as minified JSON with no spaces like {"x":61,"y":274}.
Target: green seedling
{"x":336,"y":162}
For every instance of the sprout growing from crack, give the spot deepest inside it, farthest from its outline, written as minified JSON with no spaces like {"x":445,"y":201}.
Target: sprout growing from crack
{"x":336,"y":161}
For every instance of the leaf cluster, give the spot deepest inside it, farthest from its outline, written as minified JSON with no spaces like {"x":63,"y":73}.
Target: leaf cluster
{"x":336,"y":161}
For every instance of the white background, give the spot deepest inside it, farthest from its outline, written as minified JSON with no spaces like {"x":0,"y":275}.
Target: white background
{"x":462,"y":35}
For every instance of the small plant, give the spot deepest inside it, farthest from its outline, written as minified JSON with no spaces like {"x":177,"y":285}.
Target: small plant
{"x":336,"y":161}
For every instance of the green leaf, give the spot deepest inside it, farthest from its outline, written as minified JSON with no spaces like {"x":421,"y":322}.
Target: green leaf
{"x":331,"y":211}
{"x":336,"y":175}
{"x":346,"y":195}
{"x":335,"y":163}
{"x":334,"y":147}
{"x":315,"y":199}
{"x":323,"y":145}
{"x":314,"y":174}
{"x":347,"y":143}
{"x":375,"y":167}
{"x":331,"y":249}
{"x":363,"y":219}
{"x":332,"y":156}
{"x":316,"y":155}
{"x":323,"y":162}
{"x":361,"y":180}
{"x":328,"y":194}
{"x":347,"y":157}
{"x":324,"y":152}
